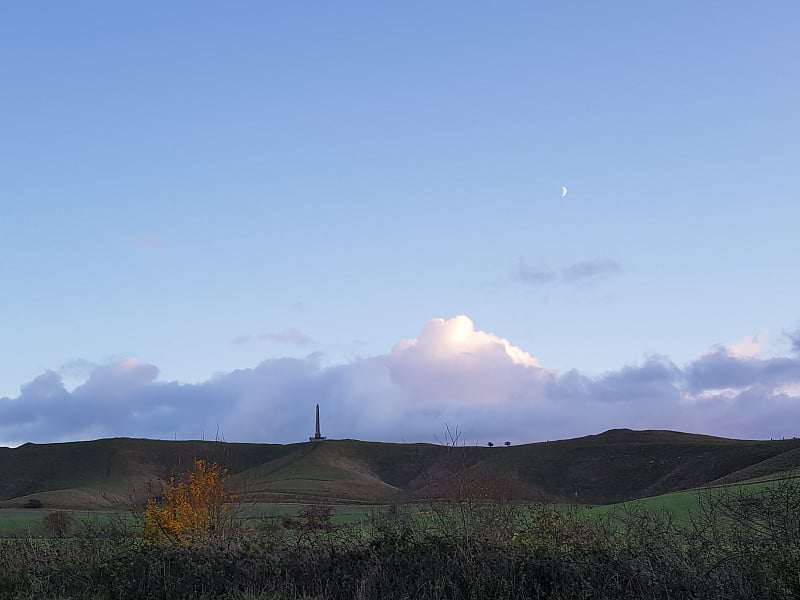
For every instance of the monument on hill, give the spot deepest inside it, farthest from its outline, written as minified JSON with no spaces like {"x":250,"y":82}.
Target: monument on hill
{"x":317,"y":436}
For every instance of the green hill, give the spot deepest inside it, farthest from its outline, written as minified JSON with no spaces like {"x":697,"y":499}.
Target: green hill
{"x":614,"y":466}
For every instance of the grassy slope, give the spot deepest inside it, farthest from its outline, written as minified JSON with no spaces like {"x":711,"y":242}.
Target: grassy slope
{"x":611,"y":467}
{"x":331,"y":470}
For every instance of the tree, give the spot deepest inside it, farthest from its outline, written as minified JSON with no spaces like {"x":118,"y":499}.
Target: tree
{"x":192,"y":511}
{"x":491,"y":444}
{"x":507,"y":444}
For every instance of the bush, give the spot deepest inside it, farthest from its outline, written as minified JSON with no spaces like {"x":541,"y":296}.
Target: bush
{"x":56,"y":523}
{"x":193,"y":511}
{"x":754,"y":530}
{"x":33,"y":503}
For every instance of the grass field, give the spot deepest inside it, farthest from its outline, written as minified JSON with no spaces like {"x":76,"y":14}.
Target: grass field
{"x":681,"y":505}
{"x":29,"y":522}
{"x":21,"y":522}
{"x":15,"y":522}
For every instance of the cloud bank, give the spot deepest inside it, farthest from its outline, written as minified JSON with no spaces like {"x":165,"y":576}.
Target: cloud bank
{"x":450,"y":374}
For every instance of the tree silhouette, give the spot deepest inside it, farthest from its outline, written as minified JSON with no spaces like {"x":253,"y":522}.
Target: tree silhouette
{"x":490,"y":444}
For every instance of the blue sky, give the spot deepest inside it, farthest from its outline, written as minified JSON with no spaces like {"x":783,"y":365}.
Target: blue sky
{"x":195,"y":192}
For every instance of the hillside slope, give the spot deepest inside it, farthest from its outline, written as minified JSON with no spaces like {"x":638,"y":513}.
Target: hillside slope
{"x":615,"y":466}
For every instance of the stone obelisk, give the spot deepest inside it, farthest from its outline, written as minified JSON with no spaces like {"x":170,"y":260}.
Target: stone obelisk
{"x":317,"y":435}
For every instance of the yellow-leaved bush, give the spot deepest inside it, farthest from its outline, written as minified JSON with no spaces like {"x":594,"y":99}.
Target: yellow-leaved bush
{"x":194,"y":510}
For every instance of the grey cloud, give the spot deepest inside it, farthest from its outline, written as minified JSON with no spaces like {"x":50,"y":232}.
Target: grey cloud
{"x":794,"y":338}
{"x":290,"y":335}
{"x":720,"y":370}
{"x":590,"y":270}
{"x":534,"y":276}
{"x":658,"y":379}
{"x":757,"y":412}
{"x":582,"y":272}
{"x":45,"y":386}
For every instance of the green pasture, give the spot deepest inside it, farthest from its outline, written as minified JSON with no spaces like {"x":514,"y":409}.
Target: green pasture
{"x":22,"y":522}
{"x":681,"y":505}
{"x":15,"y":522}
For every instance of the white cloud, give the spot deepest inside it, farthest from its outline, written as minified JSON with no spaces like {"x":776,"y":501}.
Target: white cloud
{"x":452,"y":363}
{"x":749,"y":347}
{"x":441,"y":339}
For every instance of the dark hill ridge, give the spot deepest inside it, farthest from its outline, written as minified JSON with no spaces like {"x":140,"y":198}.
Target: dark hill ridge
{"x":614,"y":466}
{"x":112,"y":472}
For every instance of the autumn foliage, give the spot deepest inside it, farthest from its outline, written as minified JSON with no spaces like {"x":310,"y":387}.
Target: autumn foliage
{"x":194,"y":510}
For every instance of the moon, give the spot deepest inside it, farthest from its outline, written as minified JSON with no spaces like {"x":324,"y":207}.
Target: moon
{"x":563,"y":192}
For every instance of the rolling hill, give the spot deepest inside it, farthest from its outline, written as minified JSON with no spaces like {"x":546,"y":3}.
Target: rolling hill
{"x":614,"y":466}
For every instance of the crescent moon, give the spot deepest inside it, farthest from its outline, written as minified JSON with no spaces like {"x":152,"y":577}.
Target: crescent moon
{"x":563,"y":192}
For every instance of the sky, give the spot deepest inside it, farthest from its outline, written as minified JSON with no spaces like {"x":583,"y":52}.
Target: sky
{"x":214,"y":216}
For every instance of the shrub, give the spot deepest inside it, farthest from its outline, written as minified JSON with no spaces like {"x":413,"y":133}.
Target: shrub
{"x":57,"y":523}
{"x":193,"y":511}
{"x":755,"y":530}
{"x":33,"y":503}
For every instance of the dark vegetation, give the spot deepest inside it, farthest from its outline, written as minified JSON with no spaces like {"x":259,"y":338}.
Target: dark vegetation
{"x":483,"y":544}
{"x":462,"y":524}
